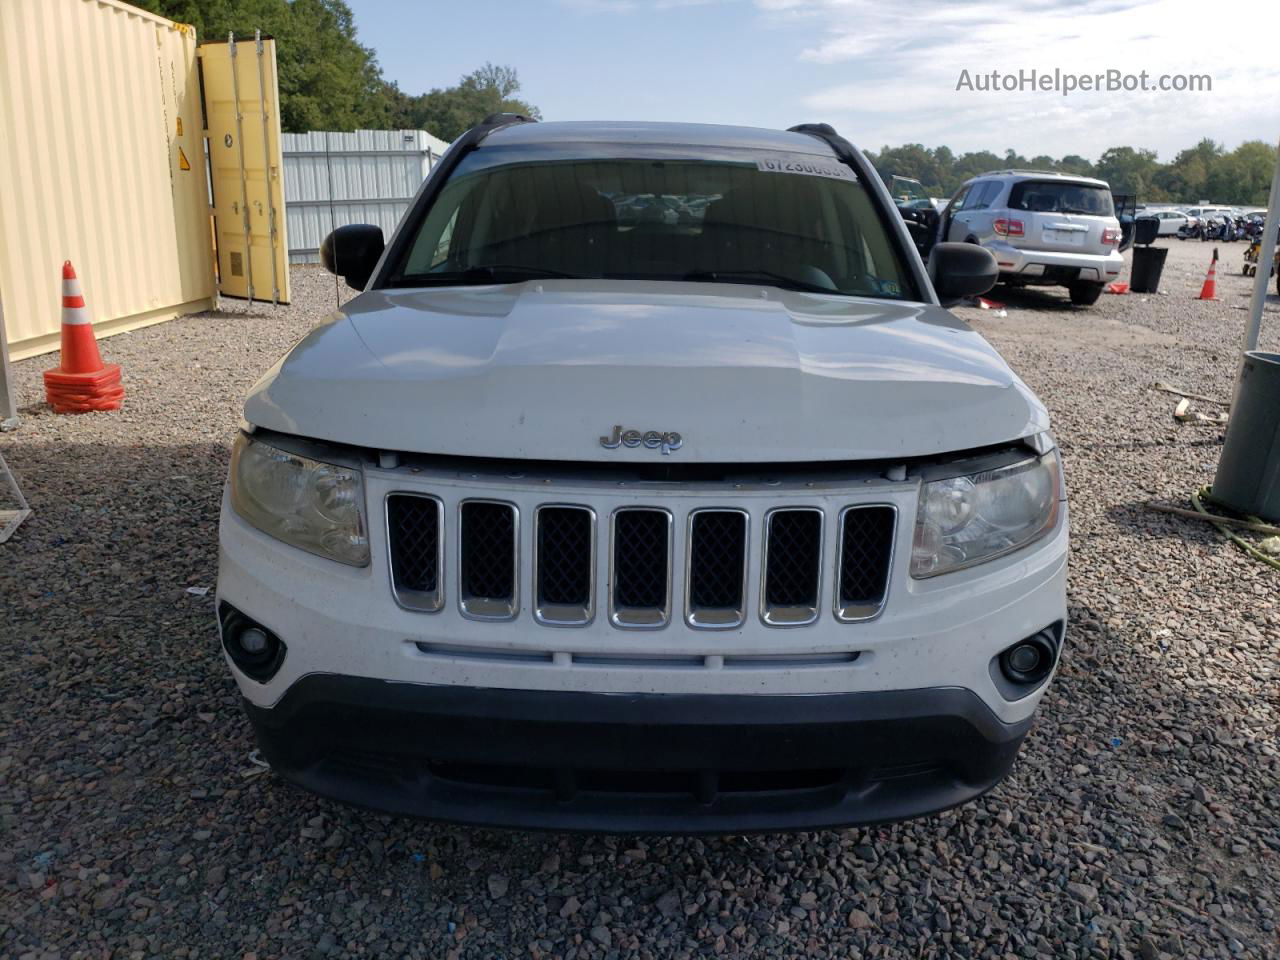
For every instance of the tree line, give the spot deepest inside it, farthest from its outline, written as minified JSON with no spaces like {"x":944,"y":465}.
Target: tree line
{"x":330,"y":81}
{"x":1207,"y":171}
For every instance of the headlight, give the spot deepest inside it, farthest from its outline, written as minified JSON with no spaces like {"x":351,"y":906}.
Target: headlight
{"x":316,"y":506}
{"x":966,"y":520}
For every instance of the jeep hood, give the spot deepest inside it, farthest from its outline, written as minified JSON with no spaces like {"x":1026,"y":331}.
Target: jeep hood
{"x":743,"y":373}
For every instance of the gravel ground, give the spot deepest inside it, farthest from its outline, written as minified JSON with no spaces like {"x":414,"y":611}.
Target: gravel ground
{"x":1142,"y":819}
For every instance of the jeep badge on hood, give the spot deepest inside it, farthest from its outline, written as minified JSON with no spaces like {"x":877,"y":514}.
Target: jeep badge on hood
{"x":652,"y":439}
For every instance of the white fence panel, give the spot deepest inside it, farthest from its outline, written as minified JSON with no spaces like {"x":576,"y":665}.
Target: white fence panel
{"x":332,"y":179}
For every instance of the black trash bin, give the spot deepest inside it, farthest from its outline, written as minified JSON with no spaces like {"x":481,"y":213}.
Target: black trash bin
{"x":1145,"y":230}
{"x":1248,"y":478}
{"x":1148,"y":264}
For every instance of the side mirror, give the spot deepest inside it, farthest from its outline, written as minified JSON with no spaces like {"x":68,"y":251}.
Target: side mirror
{"x":352,"y":252}
{"x":960,"y":270}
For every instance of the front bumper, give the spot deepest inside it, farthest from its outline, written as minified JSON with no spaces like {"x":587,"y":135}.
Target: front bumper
{"x":1044,"y":266}
{"x":635,"y":762}
{"x":596,"y":728}
{"x":932,"y":633}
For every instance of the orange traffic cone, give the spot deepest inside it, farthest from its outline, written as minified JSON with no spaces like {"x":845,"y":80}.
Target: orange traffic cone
{"x":1210,"y":289}
{"x":81,"y":382}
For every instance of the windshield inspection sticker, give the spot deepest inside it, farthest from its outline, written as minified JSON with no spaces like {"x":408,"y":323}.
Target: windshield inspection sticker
{"x":811,"y":168}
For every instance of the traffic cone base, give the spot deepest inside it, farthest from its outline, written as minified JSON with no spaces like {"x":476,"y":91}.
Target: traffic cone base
{"x":81,"y":383}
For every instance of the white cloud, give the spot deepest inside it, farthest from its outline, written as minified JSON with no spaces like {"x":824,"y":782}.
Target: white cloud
{"x":894,"y":69}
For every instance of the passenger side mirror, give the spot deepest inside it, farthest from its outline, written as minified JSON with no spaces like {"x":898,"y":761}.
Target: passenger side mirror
{"x":960,"y":270}
{"x":352,"y":252}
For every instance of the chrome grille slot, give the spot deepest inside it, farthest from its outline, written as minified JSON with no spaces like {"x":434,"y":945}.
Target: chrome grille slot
{"x":866,"y":555}
{"x":792,"y":575}
{"x":564,"y":565}
{"x":640,"y":567}
{"x":716,"y":572}
{"x":415,"y":545}
{"x":487,"y":564}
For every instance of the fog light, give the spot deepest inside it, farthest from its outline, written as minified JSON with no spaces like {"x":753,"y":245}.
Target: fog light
{"x":254,"y":641}
{"x":1029,"y":661}
{"x":254,"y":649}
{"x":1023,"y":659}
{"x":1020,"y":670}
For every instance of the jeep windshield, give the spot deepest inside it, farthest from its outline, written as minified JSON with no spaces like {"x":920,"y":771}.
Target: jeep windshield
{"x":795,"y":221}
{"x":1054,"y":196}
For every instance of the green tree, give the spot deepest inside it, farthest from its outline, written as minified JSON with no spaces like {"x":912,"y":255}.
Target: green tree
{"x":1203,"y":172}
{"x":328,"y":80}
{"x":1242,"y":176}
{"x":970,"y":165}
{"x":449,"y":111}
{"x":1128,"y":170}
{"x":1078,"y":165}
{"x":1187,"y":177}
{"x":910,"y":160}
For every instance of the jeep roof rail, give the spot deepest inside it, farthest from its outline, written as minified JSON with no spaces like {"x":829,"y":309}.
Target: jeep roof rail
{"x":841,"y":147}
{"x":503,"y":119}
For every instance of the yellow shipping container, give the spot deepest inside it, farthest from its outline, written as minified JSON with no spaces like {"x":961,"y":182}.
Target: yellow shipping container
{"x":101,"y":163}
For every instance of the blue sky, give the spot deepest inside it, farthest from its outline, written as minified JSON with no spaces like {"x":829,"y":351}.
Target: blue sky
{"x":881,"y":72}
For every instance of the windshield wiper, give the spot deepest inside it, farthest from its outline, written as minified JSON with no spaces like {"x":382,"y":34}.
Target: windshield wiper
{"x":484,"y":273}
{"x":767,"y":277}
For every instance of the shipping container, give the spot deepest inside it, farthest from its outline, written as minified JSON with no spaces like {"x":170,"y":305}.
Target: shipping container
{"x":101,"y":163}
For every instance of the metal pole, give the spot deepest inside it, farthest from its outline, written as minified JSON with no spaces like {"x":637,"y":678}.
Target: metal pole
{"x":8,"y":404}
{"x":266,"y":172}
{"x":1266,"y":256}
{"x":244,"y":186}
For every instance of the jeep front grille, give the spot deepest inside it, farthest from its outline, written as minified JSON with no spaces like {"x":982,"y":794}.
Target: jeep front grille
{"x":633,"y":555}
{"x":416,"y":547}
{"x":565,"y":565}
{"x":488,"y":589}
{"x":715,"y":590}
{"x":641,"y":565}
{"x":792,"y":567}
{"x":866,"y":546}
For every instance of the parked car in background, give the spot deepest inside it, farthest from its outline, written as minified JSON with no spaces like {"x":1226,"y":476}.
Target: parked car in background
{"x":568,"y":524}
{"x":1171,"y":221}
{"x":1045,"y":229}
{"x":1196,"y":214}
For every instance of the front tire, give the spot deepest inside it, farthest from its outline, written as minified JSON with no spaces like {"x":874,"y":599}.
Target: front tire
{"x":1084,"y":293}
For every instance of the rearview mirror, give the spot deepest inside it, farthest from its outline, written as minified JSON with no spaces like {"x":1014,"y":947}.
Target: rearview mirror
{"x":352,"y":252}
{"x":960,"y":270}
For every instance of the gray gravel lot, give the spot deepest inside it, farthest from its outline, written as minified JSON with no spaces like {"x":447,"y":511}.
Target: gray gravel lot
{"x":1142,"y":819}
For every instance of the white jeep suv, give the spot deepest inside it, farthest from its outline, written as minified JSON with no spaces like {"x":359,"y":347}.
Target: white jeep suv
{"x":623,"y":523}
{"x":1051,"y":229}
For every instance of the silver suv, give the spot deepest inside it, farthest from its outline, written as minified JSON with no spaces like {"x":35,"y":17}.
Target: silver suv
{"x":1044,"y":228}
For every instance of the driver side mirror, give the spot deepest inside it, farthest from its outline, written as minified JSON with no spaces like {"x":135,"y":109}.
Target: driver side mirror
{"x":960,"y":270}
{"x":352,"y":252}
